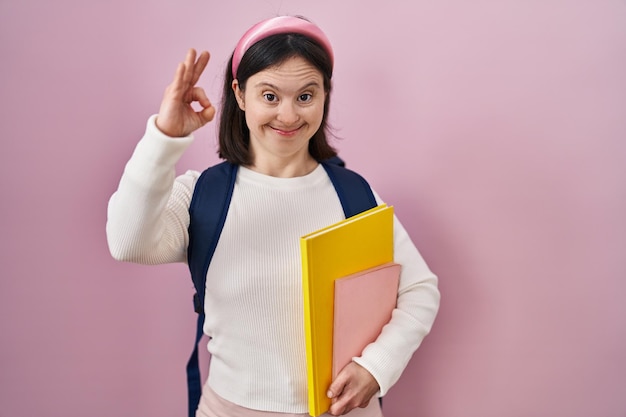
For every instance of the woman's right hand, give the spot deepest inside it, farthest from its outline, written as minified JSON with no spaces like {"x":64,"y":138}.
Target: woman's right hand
{"x":177,"y":118}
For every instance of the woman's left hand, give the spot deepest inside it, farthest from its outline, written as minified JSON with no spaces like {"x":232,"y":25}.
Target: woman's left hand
{"x":353,"y":387}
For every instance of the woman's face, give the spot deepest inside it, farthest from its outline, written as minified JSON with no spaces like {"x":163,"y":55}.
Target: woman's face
{"x":284,"y":107}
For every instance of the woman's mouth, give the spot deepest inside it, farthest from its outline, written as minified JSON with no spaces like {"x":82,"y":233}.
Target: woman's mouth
{"x":286,"y":131}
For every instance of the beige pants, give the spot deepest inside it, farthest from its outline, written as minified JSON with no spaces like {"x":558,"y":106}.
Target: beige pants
{"x":212,"y":405}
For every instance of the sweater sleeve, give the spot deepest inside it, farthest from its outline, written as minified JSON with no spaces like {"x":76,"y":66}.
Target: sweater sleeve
{"x":412,"y":319}
{"x":148,"y":215}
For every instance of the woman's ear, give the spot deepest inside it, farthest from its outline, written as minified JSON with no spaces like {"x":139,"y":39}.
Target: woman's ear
{"x":238,"y":95}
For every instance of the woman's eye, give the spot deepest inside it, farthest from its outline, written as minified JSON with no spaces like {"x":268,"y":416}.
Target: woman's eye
{"x":305,"y":97}
{"x":269,"y":97}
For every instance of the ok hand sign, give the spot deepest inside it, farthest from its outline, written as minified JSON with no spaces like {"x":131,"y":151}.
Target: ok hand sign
{"x":177,"y":118}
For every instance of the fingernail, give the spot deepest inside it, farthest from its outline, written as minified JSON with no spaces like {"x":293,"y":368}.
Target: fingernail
{"x":329,"y":394}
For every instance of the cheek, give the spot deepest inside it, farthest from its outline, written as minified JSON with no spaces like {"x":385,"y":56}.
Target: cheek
{"x":318,"y":114}
{"x":250,"y":121}
{"x":256,"y":116}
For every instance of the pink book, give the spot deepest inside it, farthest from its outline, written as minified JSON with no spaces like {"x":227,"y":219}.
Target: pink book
{"x":363,"y":305}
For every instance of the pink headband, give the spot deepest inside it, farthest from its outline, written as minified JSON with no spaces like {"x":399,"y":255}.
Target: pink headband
{"x":274,"y":26}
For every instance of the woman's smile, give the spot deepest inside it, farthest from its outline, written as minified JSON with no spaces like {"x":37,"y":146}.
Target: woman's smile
{"x":286,"y":131}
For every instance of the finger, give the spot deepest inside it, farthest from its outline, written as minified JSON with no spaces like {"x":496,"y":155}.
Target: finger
{"x":208,"y":111}
{"x":339,"y":407}
{"x":346,"y":402}
{"x":189,"y":62}
{"x":338,"y":385}
{"x":178,"y":75}
{"x":199,"y":67}
{"x":198,"y":94}
{"x":336,"y":392}
{"x":207,"y":114}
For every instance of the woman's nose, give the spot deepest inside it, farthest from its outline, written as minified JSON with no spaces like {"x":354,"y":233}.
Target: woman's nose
{"x":287,"y":113}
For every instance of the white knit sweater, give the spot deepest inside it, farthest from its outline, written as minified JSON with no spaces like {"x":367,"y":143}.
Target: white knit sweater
{"x":253,"y":302}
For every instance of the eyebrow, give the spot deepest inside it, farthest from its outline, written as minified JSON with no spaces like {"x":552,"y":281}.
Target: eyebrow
{"x":274,"y":87}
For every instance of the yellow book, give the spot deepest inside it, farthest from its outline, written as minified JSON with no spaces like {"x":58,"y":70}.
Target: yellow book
{"x":347,"y":247}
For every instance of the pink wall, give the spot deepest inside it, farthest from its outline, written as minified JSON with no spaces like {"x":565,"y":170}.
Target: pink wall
{"x":496,"y":128}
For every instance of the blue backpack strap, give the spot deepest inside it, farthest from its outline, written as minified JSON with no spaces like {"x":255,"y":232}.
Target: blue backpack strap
{"x":207,"y":212}
{"x":194,"y":383}
{"x":336,"y":160}
{"x":354,"y":192}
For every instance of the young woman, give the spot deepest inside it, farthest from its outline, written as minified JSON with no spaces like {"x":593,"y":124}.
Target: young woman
{"x":273,"y":126}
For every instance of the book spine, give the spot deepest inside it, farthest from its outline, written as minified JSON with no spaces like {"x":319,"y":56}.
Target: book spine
{"x":312,"y":377}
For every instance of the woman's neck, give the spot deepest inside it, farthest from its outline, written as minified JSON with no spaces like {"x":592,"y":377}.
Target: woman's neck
{"x":284,"y":167}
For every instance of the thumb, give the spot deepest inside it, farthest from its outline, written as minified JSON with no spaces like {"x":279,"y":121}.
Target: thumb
{"x":207,"y":114}
{"x":337,"y":386}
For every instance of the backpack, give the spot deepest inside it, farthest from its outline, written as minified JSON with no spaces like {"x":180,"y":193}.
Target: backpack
{"x":208,"y":210}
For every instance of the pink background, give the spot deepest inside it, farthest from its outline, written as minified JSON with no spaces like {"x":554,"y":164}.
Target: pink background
{"x":496,"y":128}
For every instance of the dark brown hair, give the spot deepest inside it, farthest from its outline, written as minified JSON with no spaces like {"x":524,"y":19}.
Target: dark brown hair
{"x":234,"y":135}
